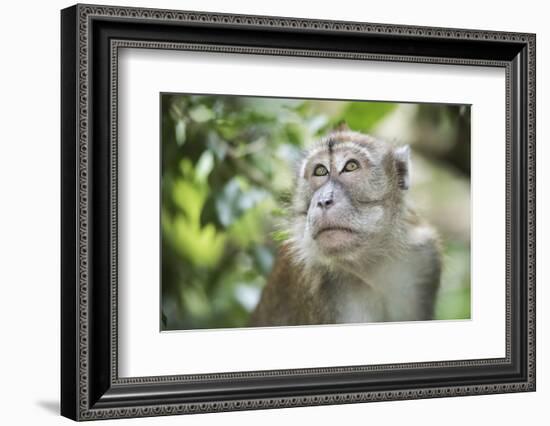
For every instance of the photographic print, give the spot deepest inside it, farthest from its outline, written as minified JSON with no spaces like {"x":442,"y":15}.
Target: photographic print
{"x":293,"y":212}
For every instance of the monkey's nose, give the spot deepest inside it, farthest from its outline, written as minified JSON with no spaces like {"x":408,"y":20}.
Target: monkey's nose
{"x":325,"y":203}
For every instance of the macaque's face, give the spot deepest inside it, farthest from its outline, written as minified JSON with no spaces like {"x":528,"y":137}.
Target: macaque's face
{"x":348,"y":187}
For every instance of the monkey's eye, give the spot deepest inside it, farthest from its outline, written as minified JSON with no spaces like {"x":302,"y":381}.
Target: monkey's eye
{"x":350,"y":166}
{"x":320,"y":170}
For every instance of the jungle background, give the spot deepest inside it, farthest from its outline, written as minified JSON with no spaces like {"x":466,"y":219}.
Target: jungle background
{"x":227,"y":173}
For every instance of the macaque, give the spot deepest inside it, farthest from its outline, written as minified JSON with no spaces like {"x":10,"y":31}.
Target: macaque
{"x":357,"y":252}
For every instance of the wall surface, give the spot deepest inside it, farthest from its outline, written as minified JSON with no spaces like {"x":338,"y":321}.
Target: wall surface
{"x":29,"y":211}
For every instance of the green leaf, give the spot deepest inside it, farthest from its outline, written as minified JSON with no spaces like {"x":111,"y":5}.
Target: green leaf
{"x":204,"y":166}
{"x":180,"y":132}
{"x":236,"y":198}
{"x":201,"y":114}
{"x":226,"y":202}
{"x":248,"y":228}
{"x":190,"y":198}
{"x":202,"y":246}
{"x":295,"y":133}
{"x":196,"y":301}
{"x":364,"y":116}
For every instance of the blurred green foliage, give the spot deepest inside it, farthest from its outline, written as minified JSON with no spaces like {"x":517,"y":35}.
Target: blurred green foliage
{"x":227,"y":173}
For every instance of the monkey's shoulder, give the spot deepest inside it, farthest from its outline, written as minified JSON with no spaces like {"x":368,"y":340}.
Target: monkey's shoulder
{"x":423,"y":249}
{"x":285,"y":268}
{"x":420,"y":235}
{"x":282,"y":300}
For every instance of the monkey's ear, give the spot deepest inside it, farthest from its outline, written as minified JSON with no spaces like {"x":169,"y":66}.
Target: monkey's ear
{"x":402,"y":158}
{"x":342,"y":126}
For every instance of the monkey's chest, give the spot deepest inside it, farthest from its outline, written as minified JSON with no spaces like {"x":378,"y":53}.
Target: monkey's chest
{"x":392,"y":297}
{"x":359,"y":304}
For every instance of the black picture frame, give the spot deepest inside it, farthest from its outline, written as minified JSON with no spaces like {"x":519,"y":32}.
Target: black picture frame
{"x":90,"y":386}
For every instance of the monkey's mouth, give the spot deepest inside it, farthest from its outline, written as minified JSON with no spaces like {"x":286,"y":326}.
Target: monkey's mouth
{"x":332,"y":229}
